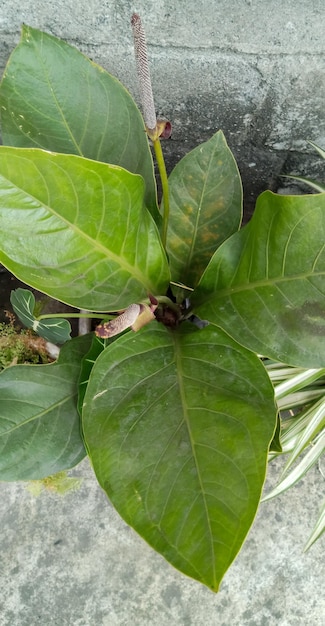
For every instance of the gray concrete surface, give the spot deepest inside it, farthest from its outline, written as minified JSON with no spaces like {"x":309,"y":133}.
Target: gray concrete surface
{"x":71,"y":561}
{"x":255,"y":68}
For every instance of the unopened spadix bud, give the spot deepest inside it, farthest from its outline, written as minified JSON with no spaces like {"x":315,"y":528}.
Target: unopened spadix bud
{"x":120,"y":323}
{"x":145,"y":88}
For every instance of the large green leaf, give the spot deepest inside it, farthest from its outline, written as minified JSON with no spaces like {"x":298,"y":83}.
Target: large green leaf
{"x":39,"y":421}
{"x":177,"y":426}
{"x":266,"y":285}
{"x":77,"y":230}
{"x":53,"y":97}
{"x":205,"y":207}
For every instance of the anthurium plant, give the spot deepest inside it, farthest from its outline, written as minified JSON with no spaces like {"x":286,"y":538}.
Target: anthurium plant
{"x":169,"y":397}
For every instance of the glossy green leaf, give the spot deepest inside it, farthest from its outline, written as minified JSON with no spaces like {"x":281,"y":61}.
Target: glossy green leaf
{"x":205,"y":207}
{"x":53,"y":97}
{"x":23,"y":303}
{"x":39,"y":421}
{"x":53,"y":329}
{"x":177,"y":426}
{"x":78,"y":230}
{"x":266,"y":284}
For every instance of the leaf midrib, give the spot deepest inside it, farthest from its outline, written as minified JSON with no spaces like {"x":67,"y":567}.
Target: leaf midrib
{"x":51,"y":91}
{"x":219,"y":294}
{"x":198,"y":216}
{"x":178,"y":364}
{"x":39,"y":415}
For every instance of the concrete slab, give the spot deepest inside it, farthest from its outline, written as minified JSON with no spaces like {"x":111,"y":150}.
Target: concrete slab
{"x":72,"y":561}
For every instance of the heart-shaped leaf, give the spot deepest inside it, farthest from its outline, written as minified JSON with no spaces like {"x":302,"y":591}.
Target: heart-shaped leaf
{"x":53,"y":329}
{"x":205,"y":207}
{"x":53,"y":97}
{"x":78,"y":230}
{"x":266,"y":284}
{"x":39,"y":421}
{"x":177,"y":426}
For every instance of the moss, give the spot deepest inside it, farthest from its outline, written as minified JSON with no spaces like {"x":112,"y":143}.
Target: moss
{"x":20,"y":346}
{"x":59,"y":483}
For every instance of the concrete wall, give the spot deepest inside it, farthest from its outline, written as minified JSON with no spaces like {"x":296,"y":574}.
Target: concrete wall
{"x":254,"y":68}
